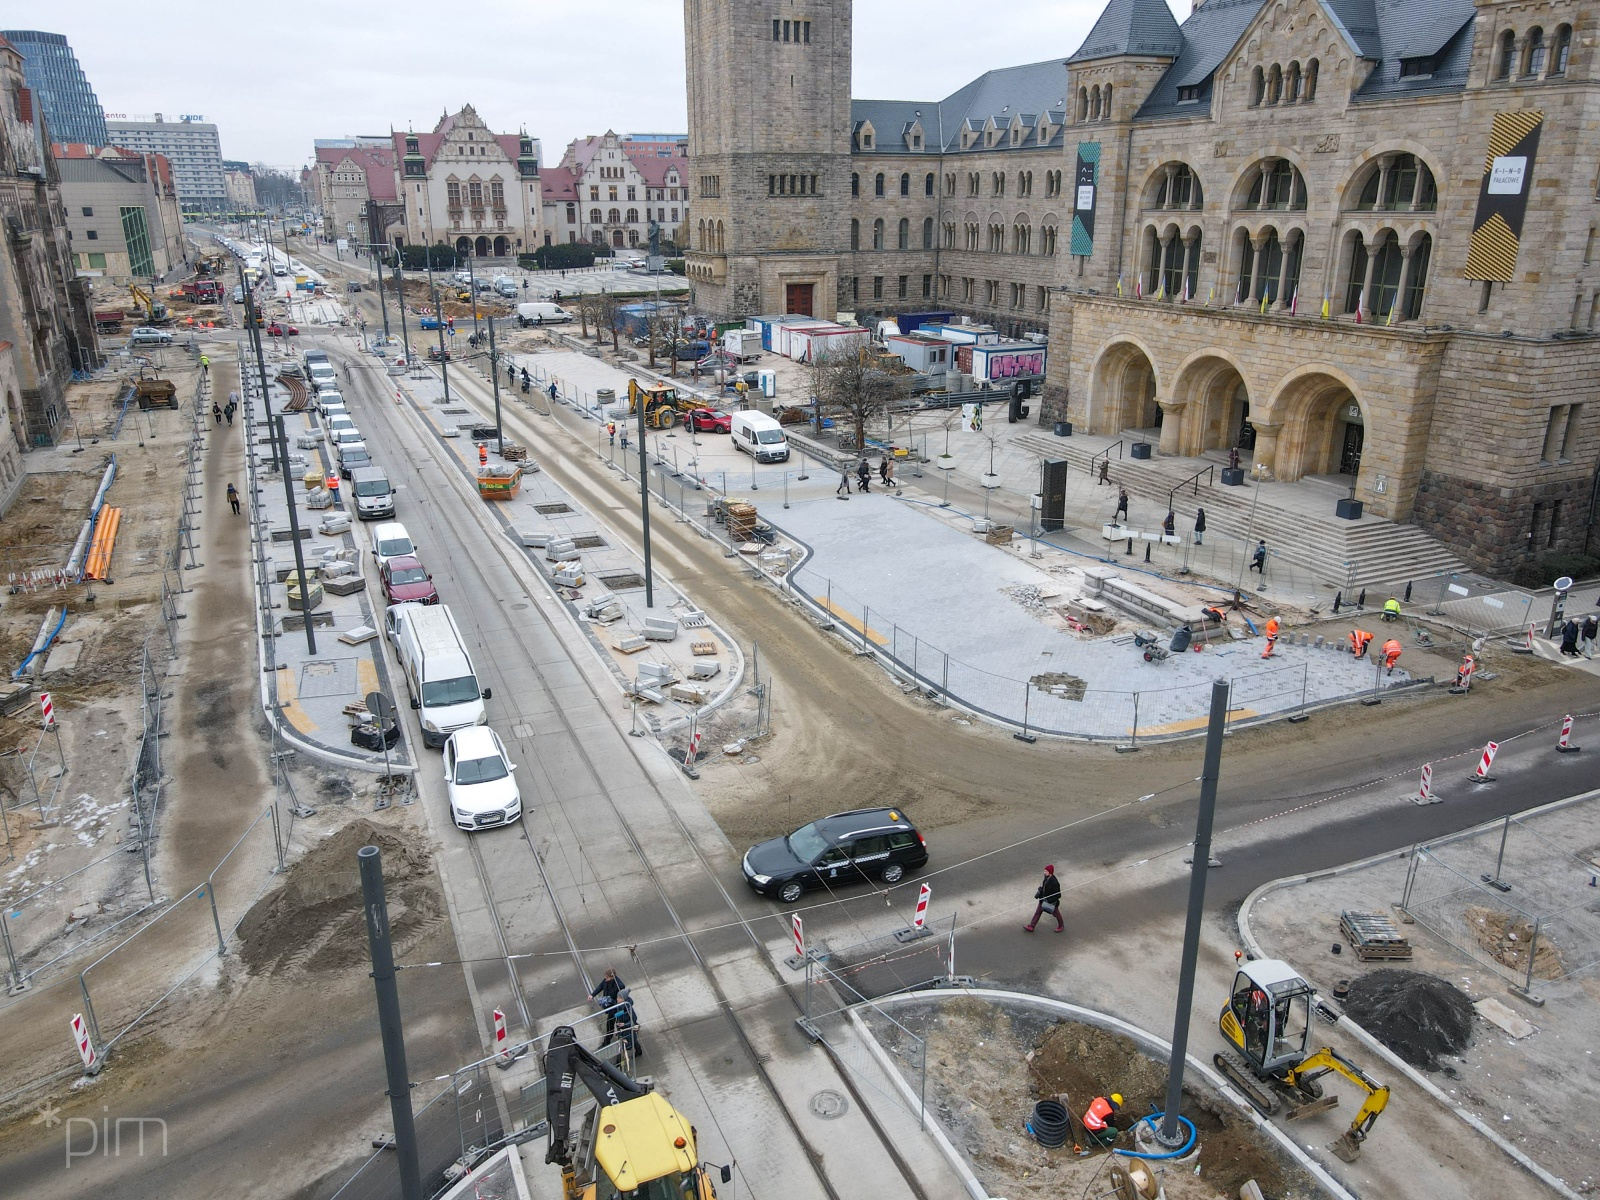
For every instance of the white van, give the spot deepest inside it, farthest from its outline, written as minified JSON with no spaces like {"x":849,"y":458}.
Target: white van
{"x":439,"y":676}
{"x":390,"y":540}
{"x":504,"y":285}
{"x":760,"y":436}
{"x":541,"y":313}
{"x":374,"y":493}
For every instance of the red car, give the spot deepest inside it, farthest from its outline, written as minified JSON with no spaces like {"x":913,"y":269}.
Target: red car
{"x":276,"y":330}
{"x":710,"y":420}
{"x":405,"y":578}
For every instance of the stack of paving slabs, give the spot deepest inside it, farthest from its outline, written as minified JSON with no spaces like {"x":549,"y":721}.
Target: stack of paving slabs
{"x":741,"y":521}
{"x":1373,"y":935}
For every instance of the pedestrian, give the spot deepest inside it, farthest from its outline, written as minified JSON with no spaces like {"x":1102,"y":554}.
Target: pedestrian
{"x":888,"y":475}
{"x":216,"y":412}
{"x":1169,"y":527}
{"x":842,"y":492}
{"x":228,"y":412}
{"x":1233,"y":458}
{"x":1122,"y":503}
{"x":883,"y":470}
{"x":1258,"y":560}
{"x":1048,"y":894}
{"x":1272,"y":636}
{"x":611,"y":430}
{"x":863,"y":476}
{"x":628,"y":1024}
{"x":233,"y":498}
{"x":554,"y":395}
{"x":1569,"y":638}
{"x":624,"y":432}
{"x":1105,"y":471}
{"x":511,"y":374}
{"x":1391,"y":655}
{"x":605,"y":994}
{"x":205,"y":364}
{"x":1588,"y":634}
{"x":1464,"y":672}
{"x":1199,"y":526}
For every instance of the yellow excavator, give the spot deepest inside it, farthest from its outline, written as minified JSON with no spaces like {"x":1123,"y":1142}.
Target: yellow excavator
{"x":1267,"y":1022}
{"x":153,"y":311}
{"x":660,"y":402}
{"x":633,"y":1146}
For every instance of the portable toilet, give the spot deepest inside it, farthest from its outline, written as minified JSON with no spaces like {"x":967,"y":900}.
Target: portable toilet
{"x":769,"y":382}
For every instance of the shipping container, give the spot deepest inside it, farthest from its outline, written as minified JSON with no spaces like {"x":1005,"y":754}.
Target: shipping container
{"x":1005,"y":361}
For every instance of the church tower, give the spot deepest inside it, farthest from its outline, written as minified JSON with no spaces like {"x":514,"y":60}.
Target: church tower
{"x":769,"y":151}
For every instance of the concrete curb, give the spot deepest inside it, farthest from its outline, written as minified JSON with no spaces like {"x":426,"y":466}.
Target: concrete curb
{"x":1254,"y":950}
{"x":1144,"y":1039}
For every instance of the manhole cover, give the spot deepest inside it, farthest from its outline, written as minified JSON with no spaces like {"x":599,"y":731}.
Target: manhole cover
{"x":455,"y":412}
{"x":550,"y":510}
{"x":829,"y":1105}
{"x":519,"y":606}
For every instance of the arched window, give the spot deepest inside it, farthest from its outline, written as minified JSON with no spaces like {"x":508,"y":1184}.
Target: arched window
{"x":594,"y":216}
{"x":1416,"y":282}
{"x":1507,"y":59}
{"x":1083,"y":104}
{"x":999,"y":183}
{"x":1279,"y":185}
{"x":878,"y":185}
{"x":927,"y":233}
{"x":905,"y":184}
{"x":1533,"y":53}
{"x":903,"y":237}
{"x":633,"y":216}
{"x":877,"y":234}
{"x":1291,"y":84}
{"x":1274,"y":84}
{"x":614,"y":217}
{"x":1407,"y":184}
{"x":927,"y":184}
{"x":949,"y":235}
{"x":720,"y":249}
{"x":1258,"y":86}
{"x":1047,"y":240}
{"x":1022,"y":239}
{"x":1561,"y":49}
{"x":1094,"y":103}
{"x":1308,"y":89}
{"x":855,"y":183}
{"x":1180,"y":189}
{"x":855,"y":234}
{"x":1106,"y":108}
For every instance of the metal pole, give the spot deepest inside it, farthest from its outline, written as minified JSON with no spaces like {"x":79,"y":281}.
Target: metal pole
{"x":644,"y":506}
{"x":400,"y":303}
{"x":438,"y":314}
{"x":472,"y":284}
{"x":383,"y":301}
{"x":1168,"y":1134}
{"x":494,"y":376}
{"x":389,"y":1021}
{"x":1025,"y":736}
{"x":294,"y":536}
{"x":251,"y":316}
{"x":1505,"y":830}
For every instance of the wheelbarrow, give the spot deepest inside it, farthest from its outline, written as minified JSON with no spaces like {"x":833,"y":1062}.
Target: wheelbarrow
{"x":1148,"y":641}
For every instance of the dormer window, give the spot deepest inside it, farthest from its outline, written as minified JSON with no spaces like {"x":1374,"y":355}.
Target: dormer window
{"x":1189,"y":95}
{"x":866,"y":139}
{"x":916,"y":141}
{"x":1016,"y":136}
{"x":1418,"y":68}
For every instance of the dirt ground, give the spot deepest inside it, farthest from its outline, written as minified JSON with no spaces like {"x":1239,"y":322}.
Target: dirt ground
{"x":987,"y":1067}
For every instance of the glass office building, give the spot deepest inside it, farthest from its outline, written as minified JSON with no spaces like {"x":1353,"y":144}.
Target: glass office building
{"x":72,"y":112}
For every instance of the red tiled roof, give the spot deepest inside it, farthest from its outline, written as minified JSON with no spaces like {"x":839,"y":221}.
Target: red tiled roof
{"x":377,"y":163}
{"x":655,"y":170}
{"x":558,"y":183}
{"x":428,"y":143}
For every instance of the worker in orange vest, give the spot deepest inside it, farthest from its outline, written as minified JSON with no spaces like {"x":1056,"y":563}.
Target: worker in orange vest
{"x":1359,"y":640}
{"x":483,"y":454}
{"x":1464,"y":672}
{"x":1097,"y":1122}
{"x":1272,"y":636}
{"x":333,"y":484}
{"x":1391,"y":655}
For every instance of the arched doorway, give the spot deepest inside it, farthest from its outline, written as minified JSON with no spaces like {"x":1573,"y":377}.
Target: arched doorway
{"x":1216,"y":407}
{"x":463,"y":245}
{"x":1123,"y":394}
{"x":500,"y":246}
{"x":480,"y":248}
{"x":616,"y":238}
{"x":1324,"y":430}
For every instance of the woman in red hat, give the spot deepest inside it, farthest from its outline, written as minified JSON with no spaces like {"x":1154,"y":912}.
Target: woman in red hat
{"x":1049,"y":897}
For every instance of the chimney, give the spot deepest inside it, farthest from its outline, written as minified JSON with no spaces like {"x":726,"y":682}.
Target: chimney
{"x":158,"y":118}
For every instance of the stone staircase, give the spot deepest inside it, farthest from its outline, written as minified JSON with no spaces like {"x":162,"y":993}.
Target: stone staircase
{"x":1296,"y":520}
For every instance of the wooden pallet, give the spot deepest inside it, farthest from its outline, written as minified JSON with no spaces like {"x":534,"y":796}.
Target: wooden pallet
{"x":1373,"y":935}
{"x":703,"y":648}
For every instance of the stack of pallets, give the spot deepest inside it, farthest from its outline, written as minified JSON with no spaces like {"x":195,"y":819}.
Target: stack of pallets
{"x":1373,"y":935}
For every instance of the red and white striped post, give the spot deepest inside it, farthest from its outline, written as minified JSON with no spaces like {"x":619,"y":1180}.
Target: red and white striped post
{"x":1564,"y":745}
{"x":921,"y":919}
{"x":1481,"y":775}
{"x":694,"y":750}
{"x":502,"y":1047}
{"x":1424,"y":793}
{"x":799,"y":936}
{"x":48,"y":708}
{"x":86,"y":1050}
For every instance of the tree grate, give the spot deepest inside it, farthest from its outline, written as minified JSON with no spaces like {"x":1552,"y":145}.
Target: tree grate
{"x":551,"y":510}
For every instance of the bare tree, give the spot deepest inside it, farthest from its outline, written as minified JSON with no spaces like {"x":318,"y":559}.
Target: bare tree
{"x":606,"y":314}
{"x":851,"y":383}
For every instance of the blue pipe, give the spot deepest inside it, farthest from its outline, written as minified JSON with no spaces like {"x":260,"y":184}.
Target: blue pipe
{"x":1153,"y":1118}
{"x":17,"y":674}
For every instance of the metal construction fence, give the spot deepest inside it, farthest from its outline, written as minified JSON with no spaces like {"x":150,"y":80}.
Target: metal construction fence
{"x":1510,"y":898}
{"x":1478,"y":607}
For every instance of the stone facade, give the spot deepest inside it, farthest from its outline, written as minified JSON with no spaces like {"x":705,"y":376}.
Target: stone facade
{"x":123,"y":216}
{"x":1284,"y":201}
{"x":470,"y":188}
{"x":607,"y":190}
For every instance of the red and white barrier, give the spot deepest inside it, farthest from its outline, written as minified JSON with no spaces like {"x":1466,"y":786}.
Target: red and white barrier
{"x":921,"y":919}
{"x":1424,"y":793}
{"x":1481,"y":775}
{"x":48,"y":708}
{"x":799,"y":937}
{"x":502,"y":1047}
{"x":1564,"y":743}
{"x":86,"y":1050}
{"x":694,"y":750}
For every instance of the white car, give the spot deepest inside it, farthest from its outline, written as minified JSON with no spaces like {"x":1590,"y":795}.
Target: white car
{"x":390,"y":540}
{"x":479,"y":779}
{"x":146,"y":335}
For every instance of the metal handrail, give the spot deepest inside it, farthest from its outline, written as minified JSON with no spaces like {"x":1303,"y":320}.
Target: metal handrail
{"x":1116,"y":445}
{"x":1210,"y":471}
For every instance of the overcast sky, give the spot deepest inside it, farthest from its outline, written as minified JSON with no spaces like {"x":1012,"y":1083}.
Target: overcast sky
{"x":273,"y":77}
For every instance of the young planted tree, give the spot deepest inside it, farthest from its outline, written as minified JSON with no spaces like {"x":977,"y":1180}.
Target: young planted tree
{"x":851,"y":384}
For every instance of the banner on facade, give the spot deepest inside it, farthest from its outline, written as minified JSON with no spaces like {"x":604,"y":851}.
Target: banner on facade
{"x":1085,"y":186}
{"x":1503,"y":195}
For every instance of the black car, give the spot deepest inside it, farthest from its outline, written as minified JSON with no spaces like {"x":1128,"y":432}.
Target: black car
{"x":850,"y":847}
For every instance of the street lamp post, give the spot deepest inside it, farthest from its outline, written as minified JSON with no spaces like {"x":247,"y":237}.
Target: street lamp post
{"x":438,"y":315}
{"x":494,"y":376}
{"x":400,"y":302}
{"x":472,"y":285}
{"x":383,"y":301}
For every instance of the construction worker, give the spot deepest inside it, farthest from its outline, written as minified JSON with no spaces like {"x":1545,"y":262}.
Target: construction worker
{"x":1098,"y":1121}
{"x":1464,"y":672}
{"x":1360,"y":639}
{"x":1391,"y":609}
{"x":1272,"y":636}
{"x":1391,"y":655}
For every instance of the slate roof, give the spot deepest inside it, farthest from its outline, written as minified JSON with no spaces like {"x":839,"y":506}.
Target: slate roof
{"x":1209,"y":36}
{"x":1031,"y":91}
{"x":1132,"y":27}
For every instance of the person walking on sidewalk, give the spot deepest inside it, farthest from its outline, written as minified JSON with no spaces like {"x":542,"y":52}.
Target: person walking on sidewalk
{"x":1122,"y":504}
{"x":605,"y":994}
{"x":233,"y":498}
{"x":216,"y":412}
{"x":1105,"y":472}
{"x":1169,"y":527}
{"x":1199,"y":526}
{"x":863,"y":476}
{"x":1258,"y":559}
{"x":883,"y":470}
{"x":888,"y":475}
{"x":842,"y":492}
{"x":1588,"y":634}
{"x":228,"y":411}
{"x":1048,"y":894}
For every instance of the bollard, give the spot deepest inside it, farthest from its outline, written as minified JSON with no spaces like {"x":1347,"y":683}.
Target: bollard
{"x":1424,"y":793}
{"x":1564,"y":745}
{"x":1481,"y":775}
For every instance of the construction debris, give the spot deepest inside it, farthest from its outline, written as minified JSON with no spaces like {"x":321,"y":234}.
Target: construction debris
{"x":1420,"y":1017}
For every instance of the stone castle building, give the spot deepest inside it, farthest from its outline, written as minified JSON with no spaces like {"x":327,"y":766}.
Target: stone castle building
{"x":468,"y":187}
{"x":1345,"y":237}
